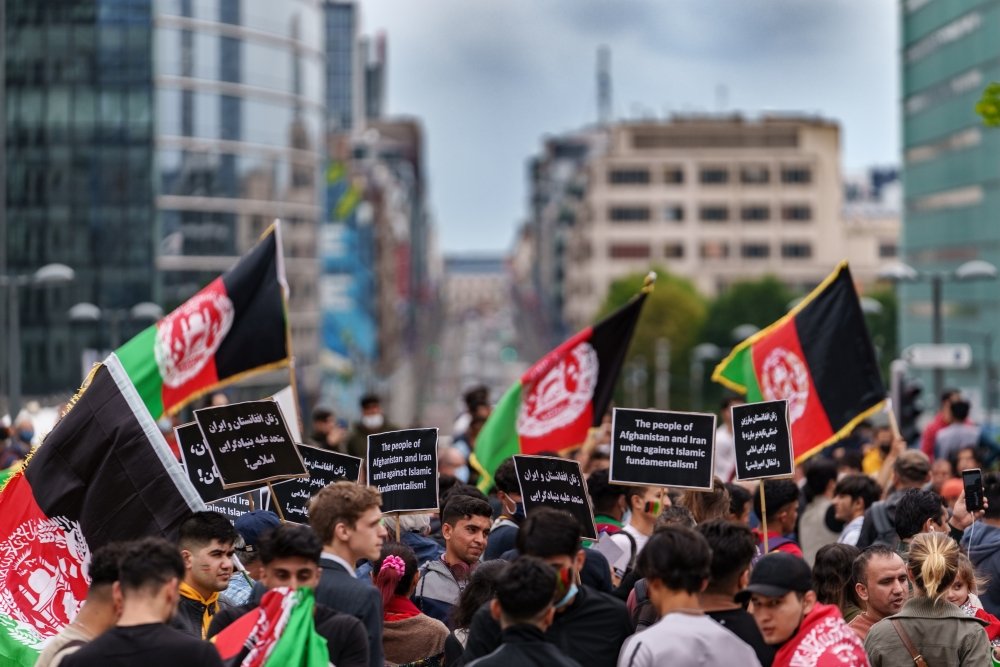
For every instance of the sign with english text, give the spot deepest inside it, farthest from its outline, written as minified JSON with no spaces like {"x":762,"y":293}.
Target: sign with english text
{"x":660,"y":448}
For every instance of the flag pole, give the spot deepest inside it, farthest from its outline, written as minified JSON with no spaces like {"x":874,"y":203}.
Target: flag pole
{"x":893,"y":424}
{"x":288,"y":325}
{"x":277,"y":505}
{"x":649,"y":282}
{"x":763,"y":517}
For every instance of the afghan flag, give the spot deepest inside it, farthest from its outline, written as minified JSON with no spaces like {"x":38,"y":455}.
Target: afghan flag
{"x":235,"y":327}
{"x":103,"y":474}
{"x":560,"y":397}
{"x":820,"y":357}
{"x":281,"y":632}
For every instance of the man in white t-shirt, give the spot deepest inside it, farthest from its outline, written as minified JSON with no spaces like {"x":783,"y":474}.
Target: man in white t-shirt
{"x":851,"y":497}
{"x":677,"y":564}
{"x":645,"y":504}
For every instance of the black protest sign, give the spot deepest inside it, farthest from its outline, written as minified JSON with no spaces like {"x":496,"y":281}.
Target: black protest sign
{"x":197,"y":462}
{"x":763,"y":440}
{"x":402,"y":465}
{"x":249,"y":443}
{"x":234,"y":506}
{"x":658,"y":448}
{"x":553,"y":482}
{"x":324,"y":467}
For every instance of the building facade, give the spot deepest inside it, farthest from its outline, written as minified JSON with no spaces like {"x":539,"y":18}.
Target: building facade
{"x":151,"y":144}
{"x":951,"y":178}
{"x":715,"y":199}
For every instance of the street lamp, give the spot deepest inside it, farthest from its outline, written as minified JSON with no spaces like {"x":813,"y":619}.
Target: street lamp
{"x":975,"y":269}
{"x":49,"y":275}
{"x":88,"y":312}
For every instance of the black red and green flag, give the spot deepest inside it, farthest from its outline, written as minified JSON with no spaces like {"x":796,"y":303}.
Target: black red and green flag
{"x":563,"y":395}
{"x":820,"y":358}
{"x":280,"y":632}
{"x":103,"y":474}
{"x":235,"y":327}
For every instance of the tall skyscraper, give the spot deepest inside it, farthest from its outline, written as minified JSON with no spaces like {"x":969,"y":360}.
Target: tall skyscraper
{"x":150,"y":144}
{"x":951,"y":178}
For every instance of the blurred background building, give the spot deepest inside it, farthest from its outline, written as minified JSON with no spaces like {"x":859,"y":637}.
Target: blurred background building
{"x":952,"y":182}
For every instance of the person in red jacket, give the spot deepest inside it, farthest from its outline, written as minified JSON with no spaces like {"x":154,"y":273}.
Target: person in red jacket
{"x":805,"y":632}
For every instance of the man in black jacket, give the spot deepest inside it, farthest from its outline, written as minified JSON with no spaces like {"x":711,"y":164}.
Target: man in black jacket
{"x":523,"y":604}
{"x":206,"y":543}
{"x":588,"y":626}
{"x":148,"y":575}
{"x":348,"y":520}
{"x":290,"y":555}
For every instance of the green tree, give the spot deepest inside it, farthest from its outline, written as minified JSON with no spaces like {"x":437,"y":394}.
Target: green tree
{"x":758,"y":302}
{"x":988,"y":105}
{"x":674,"y":311}
{"x":883,"y":327}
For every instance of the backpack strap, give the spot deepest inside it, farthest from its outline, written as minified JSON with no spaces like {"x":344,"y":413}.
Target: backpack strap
{"x":918,"y":659}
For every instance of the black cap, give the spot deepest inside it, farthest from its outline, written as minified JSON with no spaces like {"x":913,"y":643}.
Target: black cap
{"x":776,"y":574}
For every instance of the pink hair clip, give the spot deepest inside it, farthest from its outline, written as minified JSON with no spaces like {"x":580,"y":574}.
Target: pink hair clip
{"x":395,"y":563}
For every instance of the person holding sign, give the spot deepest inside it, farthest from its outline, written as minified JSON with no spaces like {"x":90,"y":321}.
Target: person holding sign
{"x":465,"y":526}
{"x":348,"y":521}
{"x":645,"y":504}
{"x":781,"y":496}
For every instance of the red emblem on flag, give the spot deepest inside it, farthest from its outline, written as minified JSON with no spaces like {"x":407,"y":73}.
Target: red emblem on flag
{"x":188,"y":338}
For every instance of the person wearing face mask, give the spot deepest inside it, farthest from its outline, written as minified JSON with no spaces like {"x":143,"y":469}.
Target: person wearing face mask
{"x":588,"y":626}
{"x":503,"y":534}
{"x":372,"y":421}
{"x":21,"y":435}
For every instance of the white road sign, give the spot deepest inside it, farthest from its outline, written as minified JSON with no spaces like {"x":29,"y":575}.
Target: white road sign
{"x":958,"y":355}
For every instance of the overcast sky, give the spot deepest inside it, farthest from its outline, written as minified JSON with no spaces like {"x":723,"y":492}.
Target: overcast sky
{"x":491,"y":78}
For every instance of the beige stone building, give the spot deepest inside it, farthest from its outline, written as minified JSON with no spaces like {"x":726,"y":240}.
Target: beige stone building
{"x":716,"y":199}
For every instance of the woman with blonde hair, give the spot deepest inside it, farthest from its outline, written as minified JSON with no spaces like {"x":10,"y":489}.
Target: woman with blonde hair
{"x":928,"y":625}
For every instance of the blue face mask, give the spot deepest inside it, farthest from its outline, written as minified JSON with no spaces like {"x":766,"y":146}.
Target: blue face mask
{"x":25,"y":436}
{"x":462,"y":474}
{"x":570,"y":594}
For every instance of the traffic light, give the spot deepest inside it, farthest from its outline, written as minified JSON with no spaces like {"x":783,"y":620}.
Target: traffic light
{"x":910,"y":407}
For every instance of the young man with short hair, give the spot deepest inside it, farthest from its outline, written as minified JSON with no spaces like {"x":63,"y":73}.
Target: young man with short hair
{"x":290,"y":558}
{"x":851,"y":497}
{"x":804,"y":632}
{"x":880,"y":583}
{"x":645,"y":504}
{"x":206,"y":544}
{"x":99,"y":613}
{"x":523,"y":605}
{"x":781,"y":496}
{"x":465,"y":526}
{"x":589,"y":626}
{"x":918,"y":511}
{"x":348,"y":521}
{"x":676,"y":563}
{"x":733,"y":548}
{"x":150,"y":571}
{"x":503,"y":532}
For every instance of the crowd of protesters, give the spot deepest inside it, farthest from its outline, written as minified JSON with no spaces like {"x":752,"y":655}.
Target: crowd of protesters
{"x":868,"y":557}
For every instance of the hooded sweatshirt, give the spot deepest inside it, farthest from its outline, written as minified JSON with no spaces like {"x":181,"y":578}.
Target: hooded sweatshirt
{"x":822,"y":640}
{"x":437,"y":590}
{"x":983,"y":542}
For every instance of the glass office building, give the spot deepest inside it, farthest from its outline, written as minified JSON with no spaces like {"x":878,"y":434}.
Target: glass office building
{"x":951,"y":177}
{"x":150,"y":144}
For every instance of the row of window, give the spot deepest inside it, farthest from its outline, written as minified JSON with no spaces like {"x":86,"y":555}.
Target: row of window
{"x":713,"y":213}
{"x":711,"y":250}
{"x":712,"y":175}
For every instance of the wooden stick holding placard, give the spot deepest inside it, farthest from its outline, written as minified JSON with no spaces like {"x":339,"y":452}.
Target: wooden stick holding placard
{"x":763,"y":517}
{"x":397,"y":529}
{"x":277,"y":505}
